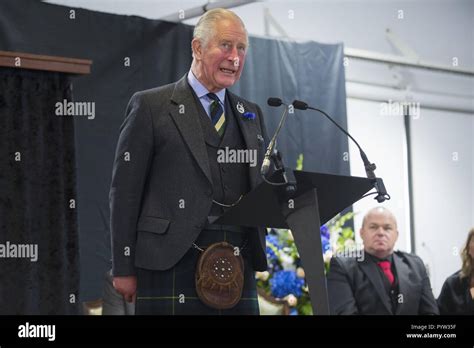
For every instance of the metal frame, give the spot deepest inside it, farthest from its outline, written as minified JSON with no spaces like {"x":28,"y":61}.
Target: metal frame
{"x":410,"y":60}
{"x":403,"y":61}
{"x":200,"y":10}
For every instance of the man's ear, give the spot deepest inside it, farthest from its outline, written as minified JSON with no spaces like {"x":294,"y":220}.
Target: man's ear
{"x":197,"y":48}
{"x":361,"y":233}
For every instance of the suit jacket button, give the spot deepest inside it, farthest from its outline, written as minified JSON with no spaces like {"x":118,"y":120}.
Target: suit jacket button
{"x":208,"y":192}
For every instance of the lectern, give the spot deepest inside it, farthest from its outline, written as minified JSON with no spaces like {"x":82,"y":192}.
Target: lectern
{"x":318,"y":198}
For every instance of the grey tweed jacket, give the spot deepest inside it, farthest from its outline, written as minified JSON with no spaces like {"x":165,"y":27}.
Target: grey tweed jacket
{"x":160,"y":164}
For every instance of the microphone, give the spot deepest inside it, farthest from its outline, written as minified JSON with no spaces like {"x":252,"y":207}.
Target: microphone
{"x":300,"y":105}
{"x":275,"y":102}
{"x":289,"y":180}
{"x":379,"y":186}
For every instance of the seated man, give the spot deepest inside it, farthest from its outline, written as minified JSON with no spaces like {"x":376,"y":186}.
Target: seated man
{"x":383,"y":282}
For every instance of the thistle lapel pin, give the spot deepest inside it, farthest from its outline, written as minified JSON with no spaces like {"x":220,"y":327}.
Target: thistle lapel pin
{"x":240,"y":107}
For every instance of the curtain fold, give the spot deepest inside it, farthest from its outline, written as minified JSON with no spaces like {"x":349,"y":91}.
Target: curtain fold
{"x":39,"y":254}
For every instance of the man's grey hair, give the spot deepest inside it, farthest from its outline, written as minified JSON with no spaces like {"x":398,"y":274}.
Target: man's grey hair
{"x":205,"y":28}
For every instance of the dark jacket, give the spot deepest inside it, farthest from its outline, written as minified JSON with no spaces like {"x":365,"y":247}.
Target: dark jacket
{"x":161,"y":162}
{"x":455,"y":297}
{"x":357,"y":287}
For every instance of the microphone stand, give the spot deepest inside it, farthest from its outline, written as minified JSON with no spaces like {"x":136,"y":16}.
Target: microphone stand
{"x":378,"y":184}
{"x":287,"y":174}
{"x":273,"y":155}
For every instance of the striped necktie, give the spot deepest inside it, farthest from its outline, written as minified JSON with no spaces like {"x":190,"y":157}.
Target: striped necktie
{"x":217,"y":114}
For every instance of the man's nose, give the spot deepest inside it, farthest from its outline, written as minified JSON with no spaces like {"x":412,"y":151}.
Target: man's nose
{"x":233,"y":54}
{"x":380,"y":231}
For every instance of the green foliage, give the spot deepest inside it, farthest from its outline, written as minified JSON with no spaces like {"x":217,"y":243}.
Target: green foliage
{"x":299,"y":162}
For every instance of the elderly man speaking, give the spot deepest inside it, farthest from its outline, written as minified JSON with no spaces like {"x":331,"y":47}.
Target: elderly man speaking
{"x":169,"y":178}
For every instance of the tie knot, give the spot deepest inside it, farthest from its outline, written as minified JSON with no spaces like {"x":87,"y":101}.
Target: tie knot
{"x":384,"y":264}
{"x":213,"y":96}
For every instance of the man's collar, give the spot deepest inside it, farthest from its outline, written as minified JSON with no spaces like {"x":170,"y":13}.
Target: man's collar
{"x":376,"y":259}
{"x":201,"y":90}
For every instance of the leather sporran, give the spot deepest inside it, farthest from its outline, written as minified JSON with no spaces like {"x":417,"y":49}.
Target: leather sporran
{"x":220,"y":276}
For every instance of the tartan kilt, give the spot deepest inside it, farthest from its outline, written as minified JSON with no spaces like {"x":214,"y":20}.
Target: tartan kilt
{"x":173,"y":292}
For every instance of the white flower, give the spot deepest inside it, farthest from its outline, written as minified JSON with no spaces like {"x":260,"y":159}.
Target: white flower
{"x":292,"y":300}
{"x":262,"y":275}
{"x":327,"y":256}
{"x":287,"y":262}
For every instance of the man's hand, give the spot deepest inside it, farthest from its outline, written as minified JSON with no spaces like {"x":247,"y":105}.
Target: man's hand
{"x":127,"y":287}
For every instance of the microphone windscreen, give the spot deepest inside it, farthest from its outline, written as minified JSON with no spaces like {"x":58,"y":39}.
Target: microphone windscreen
{"x":300,"y":105}
{"x":274,"y":101}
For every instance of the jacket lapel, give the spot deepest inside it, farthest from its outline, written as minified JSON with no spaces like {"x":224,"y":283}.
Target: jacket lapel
{"x":185,"y":114}
{"x":403,"y":273}
{"x":249,"y":131}
{"x":370,"y":269}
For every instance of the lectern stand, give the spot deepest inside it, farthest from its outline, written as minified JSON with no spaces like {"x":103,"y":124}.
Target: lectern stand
{"x":317,"y":199}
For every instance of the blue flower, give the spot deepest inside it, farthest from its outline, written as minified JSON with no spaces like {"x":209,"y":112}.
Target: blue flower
{"x":271,"y":256}
{"x":272,"y":243}
{"x":284,"y":283}
{"x":325,"y":231}
{"x":325,"y":244}
{"x":273,"y":240}
{"x":249,"y":116}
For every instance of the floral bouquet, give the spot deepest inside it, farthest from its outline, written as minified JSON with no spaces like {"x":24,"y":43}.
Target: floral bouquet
{"x":285,"y":278}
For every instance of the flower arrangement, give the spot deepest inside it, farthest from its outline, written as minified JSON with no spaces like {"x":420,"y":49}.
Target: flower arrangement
{"x":285,"y":278}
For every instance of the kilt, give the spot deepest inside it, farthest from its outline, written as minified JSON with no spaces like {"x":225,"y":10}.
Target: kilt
{"x":173,"y":292}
